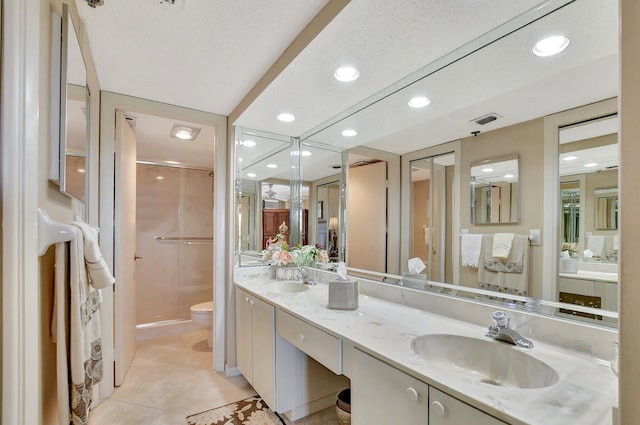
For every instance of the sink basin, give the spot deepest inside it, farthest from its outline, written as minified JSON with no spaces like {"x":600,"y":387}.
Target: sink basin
{"x":488,"y":361}
{"x":285,"y":287}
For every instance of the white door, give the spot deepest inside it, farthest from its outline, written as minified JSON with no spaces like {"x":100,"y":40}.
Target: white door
{"x":124,"y":248}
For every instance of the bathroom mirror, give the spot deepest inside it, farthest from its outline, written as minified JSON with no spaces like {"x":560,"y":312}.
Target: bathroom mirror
{"x":606,"y":203}
{"x":70,"y":110}
{"x":495,"y":196}
{"x":496,"y":74}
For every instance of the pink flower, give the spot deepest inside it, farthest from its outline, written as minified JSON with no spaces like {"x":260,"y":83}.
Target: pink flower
{"x":282,"y":257}
{"x":323,"y":257}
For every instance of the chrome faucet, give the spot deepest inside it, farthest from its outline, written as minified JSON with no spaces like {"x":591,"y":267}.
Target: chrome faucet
{"x":500,"y":331}
{"x":306,"y":279}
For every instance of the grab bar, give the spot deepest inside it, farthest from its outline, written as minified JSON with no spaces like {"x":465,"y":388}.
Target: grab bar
{"x":183,"y":239}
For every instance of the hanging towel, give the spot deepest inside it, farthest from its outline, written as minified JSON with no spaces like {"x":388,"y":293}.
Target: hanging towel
{"x":60,"y":333}
{"x":616,"y":243}
{"x":99,"y":274}
{"x":514,"y":275}
{"x":471,"y":246}
{"x":502,"y":245}
{"x":596,"y":245}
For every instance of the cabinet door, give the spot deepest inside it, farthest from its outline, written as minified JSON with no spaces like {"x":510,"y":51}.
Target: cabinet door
{"x":381,"y":394}
{"x":446,"y":410}
{"x":263,"y":332}
{"x":244,"y":346}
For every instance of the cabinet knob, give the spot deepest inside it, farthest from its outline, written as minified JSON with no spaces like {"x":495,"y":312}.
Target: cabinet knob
{"x":438,"y":408}
{"x":412,"y":393}
{"x":301,"y":337}
{"x":246,"y":299}
{"x":251,"y":302}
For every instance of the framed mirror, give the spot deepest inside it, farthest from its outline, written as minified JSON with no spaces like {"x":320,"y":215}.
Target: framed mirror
{"x":606,"y":211}
{"x":495,"y":193}
{"x":69,"y":109}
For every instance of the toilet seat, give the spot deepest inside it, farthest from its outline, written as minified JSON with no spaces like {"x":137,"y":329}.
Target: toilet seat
{"x":202,"y":308}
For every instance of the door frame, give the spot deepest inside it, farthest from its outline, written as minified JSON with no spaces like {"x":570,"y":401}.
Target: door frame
{"x":109,"y":103}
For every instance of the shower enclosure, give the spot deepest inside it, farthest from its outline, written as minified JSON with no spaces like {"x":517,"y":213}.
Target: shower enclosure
{"x":174,"y":232}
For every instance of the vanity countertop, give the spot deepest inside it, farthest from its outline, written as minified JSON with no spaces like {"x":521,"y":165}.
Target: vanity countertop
{"x":584,"y":394}
{"x":591,"y":275}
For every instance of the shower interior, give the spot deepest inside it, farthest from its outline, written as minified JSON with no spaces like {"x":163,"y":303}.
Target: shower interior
{"x":174,"y":229}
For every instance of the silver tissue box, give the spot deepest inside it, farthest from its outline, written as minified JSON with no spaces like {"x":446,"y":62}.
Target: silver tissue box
{"x":343,"y":294}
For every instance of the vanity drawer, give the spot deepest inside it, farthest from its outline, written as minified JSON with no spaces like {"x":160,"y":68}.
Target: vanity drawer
{"x":323,"y":347}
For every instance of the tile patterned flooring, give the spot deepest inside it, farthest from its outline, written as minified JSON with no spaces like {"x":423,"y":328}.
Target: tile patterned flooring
{"x":172,"y":377}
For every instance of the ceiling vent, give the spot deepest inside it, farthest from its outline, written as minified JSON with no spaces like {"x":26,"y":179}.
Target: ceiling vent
{"x":131,"y":120}
{"x":486,"y":119}
{"x":335,"y":166}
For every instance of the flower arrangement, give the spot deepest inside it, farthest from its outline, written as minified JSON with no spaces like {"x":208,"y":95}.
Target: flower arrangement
{"x":306,"y":255}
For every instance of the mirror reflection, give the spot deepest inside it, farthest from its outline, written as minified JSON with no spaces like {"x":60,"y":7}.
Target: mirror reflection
{"x":494,"y":191}
{"x":503,"y":76}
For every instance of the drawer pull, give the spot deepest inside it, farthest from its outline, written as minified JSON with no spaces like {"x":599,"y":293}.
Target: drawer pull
{"x":251,"y":302}
{"x":412,"y":393}
{"x":438,"y":408}
{"x":301,"y":337}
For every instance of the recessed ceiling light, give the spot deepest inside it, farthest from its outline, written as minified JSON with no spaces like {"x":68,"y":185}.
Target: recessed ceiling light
{"x":550,"y":46}
{"x":286,"y":117}
{"x":239,"y":159}
{"x":570,"y":158}
{"x":251,"y":175}
{"x":591,"y":164}
{"x":349,"y":132}
{"x":419,"y":102}
{"x":305,"y":153}
{"x":184,"y":132}
{"x":346,"y":74}
{"x":272,"y":166}
{"x":248,"y":143}
{"x":509,"y":176}
{"x":487,"y":170}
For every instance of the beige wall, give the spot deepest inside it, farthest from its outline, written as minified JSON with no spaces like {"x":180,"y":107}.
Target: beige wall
{"x":629,"y":374}
{"x":526,"y":140}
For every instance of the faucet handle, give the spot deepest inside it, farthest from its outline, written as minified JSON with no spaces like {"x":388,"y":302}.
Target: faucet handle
{"x":500,"y":318}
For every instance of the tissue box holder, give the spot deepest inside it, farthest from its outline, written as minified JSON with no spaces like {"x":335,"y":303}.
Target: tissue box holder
{"x":568,"y":265}
{"x":343,"y":294}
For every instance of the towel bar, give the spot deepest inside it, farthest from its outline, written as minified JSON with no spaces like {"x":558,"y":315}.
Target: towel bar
{"x":51,"y":232}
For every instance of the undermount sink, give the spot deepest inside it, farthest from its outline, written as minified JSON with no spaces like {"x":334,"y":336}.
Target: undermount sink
{"x":491,"y":362}
{"x":285,"y":287}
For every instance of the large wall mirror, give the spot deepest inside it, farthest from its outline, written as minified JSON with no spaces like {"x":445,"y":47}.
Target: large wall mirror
{"x":70,"y":108}
{"x":496,"y":75}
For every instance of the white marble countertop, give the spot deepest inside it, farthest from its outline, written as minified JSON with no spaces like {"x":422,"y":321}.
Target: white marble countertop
{"x":584,"y":394}
{"x":589,"y":275}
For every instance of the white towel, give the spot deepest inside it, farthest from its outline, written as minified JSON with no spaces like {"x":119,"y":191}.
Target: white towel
{"x":616,"y":243}
{"x":502,"y":245}
{"x":470,"y":247}
{"x":596,"y":245}
{"x":505,"y":281}
{"x":99,"y":274}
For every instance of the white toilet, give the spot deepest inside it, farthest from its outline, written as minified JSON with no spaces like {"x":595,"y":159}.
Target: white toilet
{"x":202,"y":316}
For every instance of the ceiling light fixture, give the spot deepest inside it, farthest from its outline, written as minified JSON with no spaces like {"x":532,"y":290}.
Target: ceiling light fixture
{"x":509,"y":176}
{"x":591,"y":164}
{"x":305,"y":153}
{"x":272,"y":166}
{"x":248,"y":143}
{"x":570,"y":158}
{"x":346,"y":74}
{"x":286,"y":117}
{"x":184,"y":132}
{"x":349,"y":132}
{"x":252,"y":175}
{"x":94,"y":3}
{"x":419,"y":102}
{"x":487,"y":170}
{"x":550,"y":46}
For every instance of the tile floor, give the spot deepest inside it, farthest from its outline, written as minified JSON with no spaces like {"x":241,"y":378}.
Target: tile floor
{"x":172,"y":377}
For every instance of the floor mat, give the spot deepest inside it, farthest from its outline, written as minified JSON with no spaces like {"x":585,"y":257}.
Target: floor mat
{"x":250,"y":411}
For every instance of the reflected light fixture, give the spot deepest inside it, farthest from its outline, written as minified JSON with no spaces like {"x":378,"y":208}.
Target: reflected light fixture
{"x":346,"y":74}
{"x":419,"y":102}
{"x":349,"y":132}
{"x":550,"y":46}
{"x":248,"y":143}
{"x":286,"y":117}
{"x":80,"y":170}
{"x":272,"y":166}
{"x":487,"y":170}
{"x":252,"y":175}
{"x":591,"y":164}
{"x":509,"y":176}
{"x":570,"y":158}
{"x":305,"y":153}
{"x":184,"y":132}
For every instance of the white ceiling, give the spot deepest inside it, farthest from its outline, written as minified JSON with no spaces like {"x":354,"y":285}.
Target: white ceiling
{"x":207,"y":55}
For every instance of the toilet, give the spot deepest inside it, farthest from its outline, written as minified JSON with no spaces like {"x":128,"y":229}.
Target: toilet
{"x":202,"y":316}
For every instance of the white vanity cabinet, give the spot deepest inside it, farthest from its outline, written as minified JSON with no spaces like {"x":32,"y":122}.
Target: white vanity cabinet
{"x":255,"y":344}
{"x":382,"y":394}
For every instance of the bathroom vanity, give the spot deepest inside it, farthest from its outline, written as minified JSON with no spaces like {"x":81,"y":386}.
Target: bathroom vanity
{"x":416,"y":358}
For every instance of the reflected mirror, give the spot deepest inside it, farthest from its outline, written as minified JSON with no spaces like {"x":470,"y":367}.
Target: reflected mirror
{"x":494,"y":191}
{"x":606,"y":203}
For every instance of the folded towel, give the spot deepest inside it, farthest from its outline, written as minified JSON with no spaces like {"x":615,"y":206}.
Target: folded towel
{"x":596,"y":245}
{"x":512,"y":275}
{"x":470,"y":249}
{"x":99,"y":274}
{"x":616,"y":243}
{"x":502,"y":243}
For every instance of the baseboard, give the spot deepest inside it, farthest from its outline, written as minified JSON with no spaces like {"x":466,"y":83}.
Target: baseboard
{"x":231,"y":372}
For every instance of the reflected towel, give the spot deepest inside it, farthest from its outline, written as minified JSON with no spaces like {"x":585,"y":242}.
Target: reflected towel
{"x":509,"y":278}
{"x":502,"y":243}
{"x":616,"y":243}
{"x":470,"y":248}
{"x":596,"y":245}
